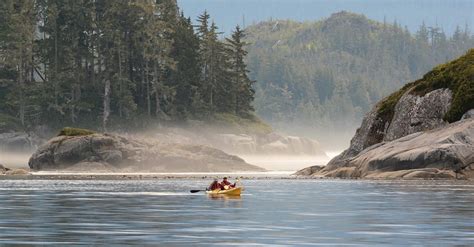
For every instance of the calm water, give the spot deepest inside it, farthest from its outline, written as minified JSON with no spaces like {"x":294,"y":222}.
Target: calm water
{"x":271,"y":212}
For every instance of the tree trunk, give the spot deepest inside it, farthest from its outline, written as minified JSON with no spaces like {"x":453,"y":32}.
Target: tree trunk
{"x":157,"y":94}
{"x":21,"y":85}
{"x":120,"y":83}
{"x":106,"y":113}
{"x":56,"y":86}
{"x":148,"y":97}
{"x":73,"y":99}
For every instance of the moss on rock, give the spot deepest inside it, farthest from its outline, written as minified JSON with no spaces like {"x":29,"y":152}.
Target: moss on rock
{"x":457,"y":75}
{"x":251,"y":124}
{"x":67,"y":131}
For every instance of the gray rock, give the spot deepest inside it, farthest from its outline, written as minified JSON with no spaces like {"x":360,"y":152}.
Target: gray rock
{"x":3,"y":169}
{"x":412,"y":114}
{"x":308,"y":171}
{"x":370,"y":132}
{"x":17,"y":172}
{"x":468,"y":114}
{"x":447,"y":150}
{"x":415,"y":113}
{"x":111,"y":156}
{"x":112,"y":152}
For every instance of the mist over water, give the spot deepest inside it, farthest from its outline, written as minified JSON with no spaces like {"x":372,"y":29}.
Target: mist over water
{"x":15,"y":159}
{"x":288,"y":162}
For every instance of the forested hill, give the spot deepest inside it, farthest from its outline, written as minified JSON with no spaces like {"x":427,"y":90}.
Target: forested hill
{"x":327,"y":74}
{"x":101,"y":64}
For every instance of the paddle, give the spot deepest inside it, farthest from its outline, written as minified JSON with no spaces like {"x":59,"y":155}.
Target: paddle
{"x":196,"y":191}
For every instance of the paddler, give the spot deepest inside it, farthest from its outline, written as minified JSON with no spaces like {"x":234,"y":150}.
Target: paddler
{"x":215,"y":185}
{"x":226,"y":184}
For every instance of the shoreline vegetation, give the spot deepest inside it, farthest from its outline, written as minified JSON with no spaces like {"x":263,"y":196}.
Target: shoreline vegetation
{"x":104,"y":65}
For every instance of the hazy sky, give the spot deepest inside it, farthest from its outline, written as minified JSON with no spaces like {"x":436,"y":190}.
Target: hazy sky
{"x":228,"y":13}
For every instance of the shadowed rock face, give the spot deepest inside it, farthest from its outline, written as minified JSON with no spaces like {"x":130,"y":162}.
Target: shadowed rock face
{"x":105,"y":152}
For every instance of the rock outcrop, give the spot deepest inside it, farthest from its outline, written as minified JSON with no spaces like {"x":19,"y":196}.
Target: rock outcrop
{"x":446,"y":152}
{"x":13,"y":172}
{"x":270,"y":144}
{"x":106,"y":152}
{"x":415,"y":113}
{"x":412,"y":114}
{"x":468,"y":114}
{"x":423,"y":130}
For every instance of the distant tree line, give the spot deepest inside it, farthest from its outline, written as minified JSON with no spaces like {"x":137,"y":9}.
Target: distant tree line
{"x":328,"y":74}
{"x":103,"y":63}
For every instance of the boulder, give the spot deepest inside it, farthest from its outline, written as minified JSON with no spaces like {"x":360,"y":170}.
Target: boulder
{"x":415,"y":113}
{"x":468,"y":114}
{"x":438,"y":153}
{"x":412,"y":114}
{"x":3,"y":169}
{"x":17,"y":172}
{"x":107,"y":152}
{"x":13,"y":172}
{"x":308,"y":171}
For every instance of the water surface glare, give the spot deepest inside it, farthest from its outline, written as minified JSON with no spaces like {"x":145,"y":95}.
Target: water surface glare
{"x":274,"y":212}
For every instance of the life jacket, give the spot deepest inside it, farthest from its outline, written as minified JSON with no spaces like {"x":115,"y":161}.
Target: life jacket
{"x":215,"y":186}
{"x":227,"y":183}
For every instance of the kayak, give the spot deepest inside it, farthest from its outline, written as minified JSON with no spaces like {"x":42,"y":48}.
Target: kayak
{"x":230,"y":192}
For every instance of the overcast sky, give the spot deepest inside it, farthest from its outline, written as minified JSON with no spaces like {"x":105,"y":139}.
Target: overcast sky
{"x":228,"y":13}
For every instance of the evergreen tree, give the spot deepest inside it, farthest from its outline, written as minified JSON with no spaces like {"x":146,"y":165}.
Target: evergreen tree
{"x":86,"y":62}
{"x":187,"y":73}
{"x":16,"y":53}
{"x":243,"y":93}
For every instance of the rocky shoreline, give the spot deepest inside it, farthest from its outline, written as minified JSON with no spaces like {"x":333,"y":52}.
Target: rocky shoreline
{"x":425,"y":130}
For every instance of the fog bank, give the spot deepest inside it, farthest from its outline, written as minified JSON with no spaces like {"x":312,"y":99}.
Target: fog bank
{"x":288,"y":162}
{"x":15,"y":159}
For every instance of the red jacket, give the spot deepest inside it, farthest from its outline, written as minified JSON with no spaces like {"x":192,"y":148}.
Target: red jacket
{"x":215,"y":186}
{"x":224,"y":183}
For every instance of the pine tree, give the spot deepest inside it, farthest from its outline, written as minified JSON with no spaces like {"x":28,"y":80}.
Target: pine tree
{"x":17,"y":47}
{"x":243,"y":92}
{"x":187,"y":73}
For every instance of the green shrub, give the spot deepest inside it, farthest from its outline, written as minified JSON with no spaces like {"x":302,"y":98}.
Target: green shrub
{"x":250,"y":124}
{"x":67,"y":131}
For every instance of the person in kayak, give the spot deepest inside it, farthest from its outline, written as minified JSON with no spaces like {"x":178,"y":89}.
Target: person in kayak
{"x":215,"y":185}
{"x":225,"y":184}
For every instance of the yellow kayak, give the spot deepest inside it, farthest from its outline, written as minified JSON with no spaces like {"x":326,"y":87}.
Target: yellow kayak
{"x":230,"y":192}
